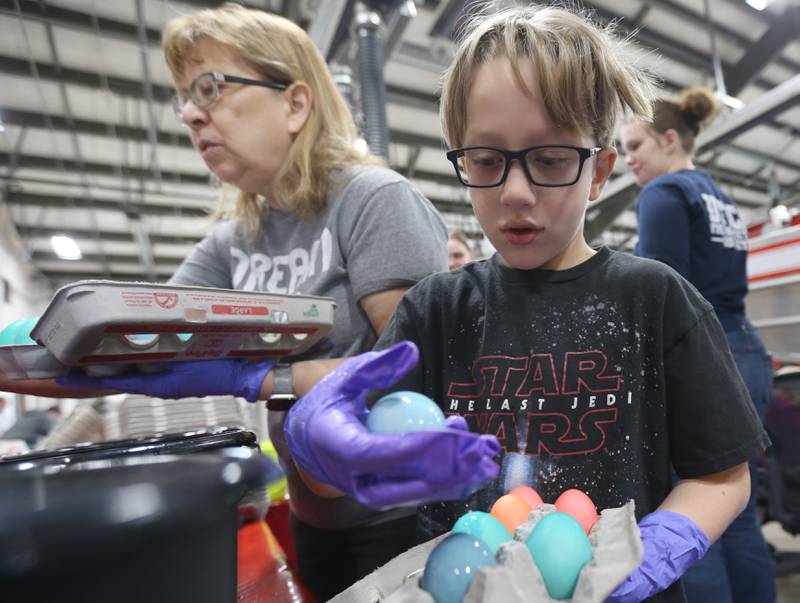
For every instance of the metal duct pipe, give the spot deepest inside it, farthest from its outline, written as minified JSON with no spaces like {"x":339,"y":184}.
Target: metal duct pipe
{"x":370,"y":40}
{"x":343,"y":78}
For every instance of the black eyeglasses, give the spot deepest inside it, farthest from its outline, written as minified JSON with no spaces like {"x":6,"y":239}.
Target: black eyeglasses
{"x":545,"y":165}
{"x":204,"y":90}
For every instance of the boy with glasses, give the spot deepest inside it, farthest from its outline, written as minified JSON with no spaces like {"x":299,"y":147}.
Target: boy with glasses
{"x":594,"y":369}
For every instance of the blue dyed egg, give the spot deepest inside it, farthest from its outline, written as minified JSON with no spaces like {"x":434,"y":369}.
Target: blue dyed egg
{"x":452,"y":567}
{"x":560,"y":549}
{"x":404,"y":411}
{"x":483,"y":526}
{"x":18,"y":332}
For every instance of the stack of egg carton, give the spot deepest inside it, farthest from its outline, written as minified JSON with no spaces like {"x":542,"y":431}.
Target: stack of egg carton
{"x":616,"y":550}
{"x":145,"y":416}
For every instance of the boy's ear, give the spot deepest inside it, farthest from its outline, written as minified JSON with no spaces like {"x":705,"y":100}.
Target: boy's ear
{"x":299,"y":102}
{"x":603,"y":164}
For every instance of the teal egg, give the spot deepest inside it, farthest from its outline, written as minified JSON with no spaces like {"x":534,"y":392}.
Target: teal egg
{"x":560,"y":549}
{"x":484,"y":527}
{"x":452,"y":565}
{"x":18,"y":332}
{"x":24,"y":332}
{"x":404,"y":411}
{"x":8,"y":333}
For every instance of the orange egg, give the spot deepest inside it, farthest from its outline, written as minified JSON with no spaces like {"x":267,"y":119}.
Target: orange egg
{"x":529,"y":495}
{"x":578,"y":505}
{"x":511,"y":511}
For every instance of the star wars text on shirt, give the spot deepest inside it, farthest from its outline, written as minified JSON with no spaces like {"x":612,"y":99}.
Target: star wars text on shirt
{"x":568,"y":401}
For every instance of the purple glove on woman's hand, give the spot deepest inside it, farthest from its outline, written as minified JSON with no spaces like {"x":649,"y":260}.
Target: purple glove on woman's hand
{"x":221,"y":377}
{"x":327,"y":438}
{"x":672,"y":543}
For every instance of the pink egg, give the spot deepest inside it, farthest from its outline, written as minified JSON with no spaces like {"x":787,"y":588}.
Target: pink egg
{"x":578,"y":505}
{"x":511,"y":510}
{"x":529,"y":495}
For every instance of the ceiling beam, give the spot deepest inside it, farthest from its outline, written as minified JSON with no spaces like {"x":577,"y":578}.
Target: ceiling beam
{"x":666,"y":46}
{"x":22,"y":198}
{"x":105,"y":169}
{"x":80,"y":77}
{"x":763,"y":109}
{"x":73,"y":19}
{"x":43,"y":232}
{"x":163,"y":265}
{"x":731,"y":34}
{"x":784,"y":28}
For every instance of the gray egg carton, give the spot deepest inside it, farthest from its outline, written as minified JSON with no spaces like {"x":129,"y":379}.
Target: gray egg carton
{"x":106,"y":326}
{"x":19,"y":362}
{"x":616,"y":551}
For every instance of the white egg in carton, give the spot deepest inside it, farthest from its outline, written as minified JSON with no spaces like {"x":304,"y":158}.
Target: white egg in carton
{"x":616,"y":552}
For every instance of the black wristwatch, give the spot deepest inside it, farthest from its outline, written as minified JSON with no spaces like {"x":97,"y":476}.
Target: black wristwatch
{"x":283,"y":395}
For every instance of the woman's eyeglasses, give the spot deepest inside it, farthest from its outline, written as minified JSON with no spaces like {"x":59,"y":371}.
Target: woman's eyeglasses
{"x":204,"y":90}
{"x":544,"y":165}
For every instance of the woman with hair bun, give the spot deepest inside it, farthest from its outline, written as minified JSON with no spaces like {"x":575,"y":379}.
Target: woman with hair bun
{"x":689,"y":223}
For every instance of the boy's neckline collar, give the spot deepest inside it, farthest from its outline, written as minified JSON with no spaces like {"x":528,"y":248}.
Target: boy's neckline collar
{"x":540,"y":275}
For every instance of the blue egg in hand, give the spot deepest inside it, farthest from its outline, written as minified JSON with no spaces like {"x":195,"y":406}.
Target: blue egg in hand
{"x":560,"y":549}
{"x":452,"y":567}
{"x":404,"y":411}
{"x":483,"y":526}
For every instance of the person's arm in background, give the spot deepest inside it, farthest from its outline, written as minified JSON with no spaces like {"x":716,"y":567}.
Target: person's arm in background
{"x":663,"y":218}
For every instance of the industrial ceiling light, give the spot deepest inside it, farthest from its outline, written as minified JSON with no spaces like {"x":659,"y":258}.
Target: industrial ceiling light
{"x":65,"y":247}
{"x":730,"y":101}
{"x":758,"y":4}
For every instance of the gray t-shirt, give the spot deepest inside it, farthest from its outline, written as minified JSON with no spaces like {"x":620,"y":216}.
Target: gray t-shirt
{"x":377,"y":232}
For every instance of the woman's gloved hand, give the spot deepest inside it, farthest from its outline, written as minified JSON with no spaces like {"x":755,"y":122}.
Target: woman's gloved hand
{"x":327,"y":438}
{"x":672,"y":543}
{"x":220,"y":377}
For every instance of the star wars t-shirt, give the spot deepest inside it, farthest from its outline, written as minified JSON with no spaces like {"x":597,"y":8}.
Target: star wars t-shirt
{"x":600,"y":378}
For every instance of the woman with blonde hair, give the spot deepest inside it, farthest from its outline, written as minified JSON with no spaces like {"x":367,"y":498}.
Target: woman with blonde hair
{"x":313,"y":215}
{"x":689,"y":223}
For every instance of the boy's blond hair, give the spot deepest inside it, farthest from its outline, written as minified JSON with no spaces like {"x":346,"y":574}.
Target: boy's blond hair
{"x":281,"y":51}
{"x":586,"y":75}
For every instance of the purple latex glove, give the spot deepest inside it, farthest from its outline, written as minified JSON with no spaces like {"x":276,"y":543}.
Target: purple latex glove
{"x":326,"y":436}
{"x":220,"y":377}
{"x":672,"y":544}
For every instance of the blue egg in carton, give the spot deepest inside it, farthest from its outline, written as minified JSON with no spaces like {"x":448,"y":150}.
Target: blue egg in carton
{"x":22,"y":358}
{"x":514,"y":578}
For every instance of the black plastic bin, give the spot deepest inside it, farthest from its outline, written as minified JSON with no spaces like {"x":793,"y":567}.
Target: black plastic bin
{"x":145,"y":520}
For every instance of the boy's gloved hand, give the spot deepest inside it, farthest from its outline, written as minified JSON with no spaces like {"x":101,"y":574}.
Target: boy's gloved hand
{"x":327,"y":438}
{"x":672,"y":543}
{"x":220,"y":377}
